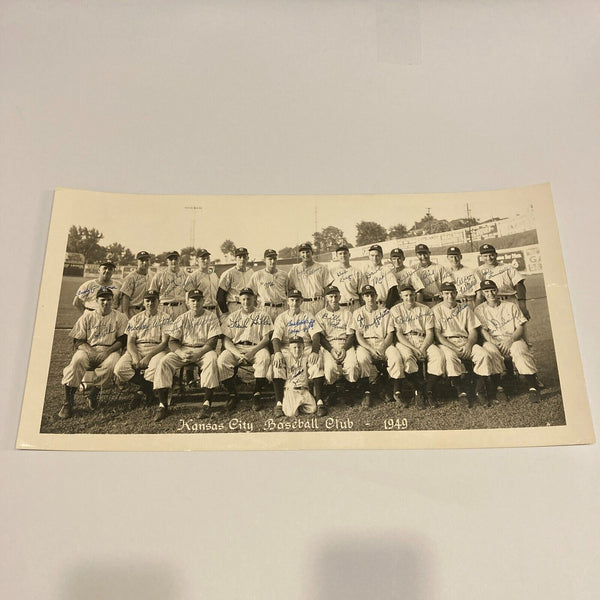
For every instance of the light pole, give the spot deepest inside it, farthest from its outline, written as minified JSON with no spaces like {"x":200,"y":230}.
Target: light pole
{"x":194,"y":210}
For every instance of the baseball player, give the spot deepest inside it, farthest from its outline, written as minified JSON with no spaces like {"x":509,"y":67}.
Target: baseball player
{"x":457,"y":332}
{"x":135,"y":285}
{"x":414,"y":326}
{"x":511,"y":284}
{"x":296,"y":322}
{"x":232,"y":281}
{"x":405,"y":275}
{"x":205,"y":279}
{"x":311,"y":278}
{"x":503,"y":328}
{"x":337,"y":339}
{"x":98,"y":336}
{"x":169,"y":284}
{"x":431,"y":274}
{"x":85,"y":296}
{"x":146,"y":346}
{"x":375,"y":335}
{"x":297,"y":398}
{"x":348,"y":279}
{"x":381,"y":278}
{"x":467,"y":280}
{"x":192,"y":340}
{"x":246,"y":338}
{"x":271,"y":286}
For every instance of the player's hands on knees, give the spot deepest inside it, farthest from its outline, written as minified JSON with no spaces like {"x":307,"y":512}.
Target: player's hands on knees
{"x":313,"y":358}
{"x":504,"y":347}
{"x":143,"y":363}
{"x":278,"y":361}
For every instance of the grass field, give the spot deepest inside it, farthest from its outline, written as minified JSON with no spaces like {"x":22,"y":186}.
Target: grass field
{"x":114,"y":416}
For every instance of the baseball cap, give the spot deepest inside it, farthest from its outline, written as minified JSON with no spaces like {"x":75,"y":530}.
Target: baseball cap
{"x":151,"y":295}
{"x":104,"y":292}
{"x":453,"y":250}
{"x":488,"y":284}
{"x":397,"y":252}
{"x":305,"y":246}
{"x":447,"y":286}
{"x":422,"y":248}
{"x":332,"y":289}
{"x":294,"y":293}
{"x":196,"y":294}
{"x":368,"y":289}
{"x":407,"y":288}
{"x":487,"y":249}
{"x":142,"y":255}
{"x":342,"y":248}
{"x":246,"y":292}
{"x":376,"y":248}
{"x":202,"y":252}
{"x":173,"y":254}
{"x":241,"y":251}
{"x":270,"y":253}
{"x":296,"y":340}
{"x":108,"y":263}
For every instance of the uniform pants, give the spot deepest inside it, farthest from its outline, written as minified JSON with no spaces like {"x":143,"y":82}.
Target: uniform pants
{"x":349,"y":367}
{"x":314,"y":371}
{"x":175,"y":311}
{"x":482,"y":361}
{"x":124,"y":370}
{"x":227,"y":362}
{"x":300,"y":400}
{"x":435,"y":358}
{"x":83,"y":361}
{"x":393,"y":358}
{"x":521,"y":355}
{"x":352,"y":306}
{"x":209,"y":372}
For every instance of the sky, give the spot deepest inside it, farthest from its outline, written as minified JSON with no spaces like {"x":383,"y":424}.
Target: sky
{"x":159,"y":223}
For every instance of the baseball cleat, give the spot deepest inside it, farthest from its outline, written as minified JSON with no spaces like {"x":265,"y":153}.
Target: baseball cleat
{"x":534,"y":395}
{"x":204,"y":411}
{"x":66,"y":411}
{"x":92,"y":399}
{"x":232,"y":402}
{"x":256,"y":402}
{"x":420,"y":400}
{"x":482,"y":398}
{"x":278,"y":411}
{"x":160,"y":414}
{"x":135,"y":402}
{"x":366,"y":401}
{"x":321,"y":410}
{"x":501,"y":394}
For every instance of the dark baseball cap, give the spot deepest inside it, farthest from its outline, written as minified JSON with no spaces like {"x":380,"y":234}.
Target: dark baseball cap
{"x":296,"y":340}
{"x":151,"y":295}
{"x":305,"y":246}
{"x":241,"y":251}
{"x":142,"y":255}
{"x":332,"y":289}
{"x":453,"y":250}
{"x":196,"y":294}
{"x":108,"y":263}
{"x":488,"y":284}
{"x":422,"y":248}
{"x":294,"y":293}
{"x":270,"y":253}
{"x":202,"y":252}
{"x":104,"y":292}
{"x":407,"y":288}
{"x":376,"y":248}
{"x":368,"y":289}
{"x":247,"y":292}
{"x":487,"y":249}
{"x":397,"y":252}
{"x":173,"y":254}
{"x":342,"y":248}
{"x":447,"y":286}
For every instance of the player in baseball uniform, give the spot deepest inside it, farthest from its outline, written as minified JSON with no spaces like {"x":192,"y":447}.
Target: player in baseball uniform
{"x":192,"y":341}
{"x":405,"y":275}
{"x":99,"y":336}
{"x":311,"y":278}
{"x":232,"y":281}
{"x":246,"y":336}
{"x":503,"y":328}
{"x":467,"y":280}
{"x":135,"y":285}
{"x":337,"y":340}
{"x":85,"y":296}
{"x":146,"y":345}
{"x":375,"y":335}
{"x":431,"y":274}
{"x":271,"y":286}
{"x":457,"y":332}
{"x":169,"y":284}
{"x":511,"y":284}
{"x":348,"y":279}
{"x":414,"y":327}
{"x":296,"y":322}
{"x":381,"y":278}
{"x":297,"y":398}
{"x":204,"y":278}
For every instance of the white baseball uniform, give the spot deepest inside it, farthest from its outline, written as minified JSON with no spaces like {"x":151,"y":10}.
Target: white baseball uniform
{"x":233,"y":281}
{"x":505,"y":276}
{"x":271,"y":289}
{"x":169,"y":284}
{"x":207,"y":283}
{"x":432,"y":277}
{"x":311,"y":281}
{"x":87,"y":292}
{"x":349,"y":280}
{"x":135,"y":285}
{"x":296,"y":396}
{"x":336,"y":327}
{"x":407,"y":276}
{"x":381,"y":279}
{"x":467,"y":284}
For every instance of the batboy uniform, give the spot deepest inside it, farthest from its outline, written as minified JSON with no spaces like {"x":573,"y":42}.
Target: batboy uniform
{"x":296,"y":396}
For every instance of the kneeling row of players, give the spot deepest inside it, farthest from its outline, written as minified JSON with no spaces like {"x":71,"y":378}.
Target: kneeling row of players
{"x":302,"y":350}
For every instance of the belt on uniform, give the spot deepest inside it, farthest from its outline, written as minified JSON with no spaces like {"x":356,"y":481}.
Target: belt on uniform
{"x":297,"y":387}
{"x":210,"y":307}
{"x":312,"y":299}
{"x":192,"y":346}
{"x":137,"y":307}
{"x":415,"y":333}
{"x":171,"y":303}
{"x":88,"y":308}
{"x":453,"y":337}
{"x":507,"y":296}
{"x":373,"y":338}
{"x":245,"y":343}
{"x":145,"y":342}
{"x":465,"y":299}
{"x":348,"y":303}
{"x":343,"y":339}
{"x":273,"y":304}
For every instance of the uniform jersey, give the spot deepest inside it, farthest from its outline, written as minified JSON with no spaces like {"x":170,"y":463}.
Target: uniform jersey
{"x":246,"y":327}
{"x":195,"y":331}
{"x":311,"y":281}
{"x":505,"y":276}
{"x":456,"y":321}
{"x":432,"y":277}
{"x":87,"y":291}
{"x":335,"y":325}
{"x":416,"y":319}
{"x":381,"y":279}
{"x":372,"y":324}
{"x":207,"y":283}
{"x":99,"y":330}
{"x":233,"y":281}
{"x":148,"y":329}
{"x":270,"y":287}
{"x":502,"y":320}
{"x":169,"y":285}
{"x":288,"y":325}
{"x":349,"y":280}
{"x":296,"y":371}
{"x":135,"y":285}
{"x":407,"y":276}
{"x":467,"y":282}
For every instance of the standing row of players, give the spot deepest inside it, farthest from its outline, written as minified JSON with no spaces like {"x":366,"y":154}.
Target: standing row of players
{"x":319,"y":347}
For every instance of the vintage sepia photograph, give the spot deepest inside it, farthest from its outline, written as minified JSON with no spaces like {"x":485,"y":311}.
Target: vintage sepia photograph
{"x":197,"y":322}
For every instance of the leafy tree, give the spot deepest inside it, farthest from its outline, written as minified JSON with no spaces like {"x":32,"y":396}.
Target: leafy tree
{"x":369,"y":232}
{"x":429,"y":224}
{"x":228,"y":248}
{"x":328,"y":239}
{"x":119,"y":254}
{"x":162,"y":257}
{"x":288,"y":252}
{"x":85,"y":241}
{"x":462,"y":223}
{"x":397,"y":231}
{"x":188,"y":256}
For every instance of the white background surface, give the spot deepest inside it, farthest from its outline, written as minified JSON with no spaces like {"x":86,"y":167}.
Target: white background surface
{"x":296,"y":97}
